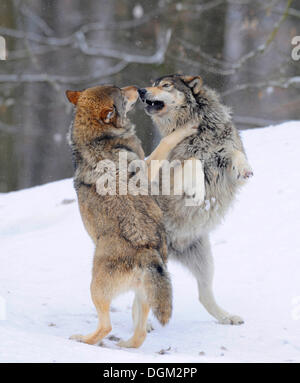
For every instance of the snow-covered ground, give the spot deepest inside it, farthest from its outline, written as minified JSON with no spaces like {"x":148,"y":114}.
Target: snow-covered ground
{"x":45,"y":272}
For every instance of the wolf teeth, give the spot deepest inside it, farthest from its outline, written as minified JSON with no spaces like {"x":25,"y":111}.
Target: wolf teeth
{"x":149,"y":102}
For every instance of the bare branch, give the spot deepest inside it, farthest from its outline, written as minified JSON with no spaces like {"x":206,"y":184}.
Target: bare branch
{"x":78,"y":39}
{"x":26,"y":11}
{"x":54,"y":41}
{"x":283,"y":83}
{"x":234,"y":67}
{"x":157,"y":58}
{"x":212,"y":61}
{"x":203,"y":66}
{"x":199,"y":7}
{"x":44,"y":77}
{"x":239,"y":2}
{"x":204,"y":55}
{"x":23,"y":53}
{"x":278,"y":24}
{"x":126,"y":58}
{"x":91,"y":27}
{"x":294,"y":12}
{"x":127,"y":24}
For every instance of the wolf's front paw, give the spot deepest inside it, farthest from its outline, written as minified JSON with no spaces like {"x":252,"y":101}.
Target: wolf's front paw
{"x":194,"y":184}
{"x":242,"y":174}
{"x":240,"y":167}
{"x":232,"y":319}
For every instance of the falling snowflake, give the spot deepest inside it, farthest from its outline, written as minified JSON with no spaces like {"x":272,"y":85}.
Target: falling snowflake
{"x":138,"y":11}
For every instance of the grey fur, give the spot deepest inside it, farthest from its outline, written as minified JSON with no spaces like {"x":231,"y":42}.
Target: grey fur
{"x":216,"y":144}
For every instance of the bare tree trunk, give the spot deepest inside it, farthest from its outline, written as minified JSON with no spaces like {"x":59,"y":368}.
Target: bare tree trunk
{"x":8,"y":160}
{"x":248,"y":29}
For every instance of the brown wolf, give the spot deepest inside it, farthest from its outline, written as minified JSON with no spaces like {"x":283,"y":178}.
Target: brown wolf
{"x":128,"y":232}
{"x":172,"y":102}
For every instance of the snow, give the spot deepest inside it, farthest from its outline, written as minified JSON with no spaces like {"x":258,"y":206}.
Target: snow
{"x":45,"y":272}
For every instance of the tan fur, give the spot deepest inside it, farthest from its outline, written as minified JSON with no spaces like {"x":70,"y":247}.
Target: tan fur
{"x":127,"y":230}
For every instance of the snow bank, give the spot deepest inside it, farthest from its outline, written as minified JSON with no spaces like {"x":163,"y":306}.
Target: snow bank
{"x":45,"y":272}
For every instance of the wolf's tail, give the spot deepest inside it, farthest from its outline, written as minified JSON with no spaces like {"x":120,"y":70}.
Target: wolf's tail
{"x":158,"y":288}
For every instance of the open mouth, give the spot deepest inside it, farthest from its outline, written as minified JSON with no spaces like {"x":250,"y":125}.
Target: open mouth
{"x":154,"y":106}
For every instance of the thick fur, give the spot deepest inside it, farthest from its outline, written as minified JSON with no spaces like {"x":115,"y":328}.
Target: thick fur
{"x":128,"y":231}
{"x":180,"y":99}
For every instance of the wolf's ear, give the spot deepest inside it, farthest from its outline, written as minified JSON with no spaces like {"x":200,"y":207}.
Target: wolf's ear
{"x":107,"y":114}
{"x":194,"y":82}
{"x":73,"y":96}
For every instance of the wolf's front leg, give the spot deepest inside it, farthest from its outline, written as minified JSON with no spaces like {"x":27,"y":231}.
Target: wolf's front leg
{"x":193,"y":182}
{"x":240,"y":168}
{"x":162,"y":151}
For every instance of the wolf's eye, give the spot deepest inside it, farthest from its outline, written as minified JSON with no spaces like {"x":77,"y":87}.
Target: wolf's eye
{"x":166,"y":85}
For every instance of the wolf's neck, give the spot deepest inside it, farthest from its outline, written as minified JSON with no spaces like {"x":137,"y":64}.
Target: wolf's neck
{"x":167,"y":126}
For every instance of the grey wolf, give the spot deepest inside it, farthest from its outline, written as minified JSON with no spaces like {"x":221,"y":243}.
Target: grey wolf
{"x":127,"y":230}
{"x":172,"y":102}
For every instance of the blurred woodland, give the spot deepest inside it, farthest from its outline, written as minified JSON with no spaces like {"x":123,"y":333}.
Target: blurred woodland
{"x":242,"y":48}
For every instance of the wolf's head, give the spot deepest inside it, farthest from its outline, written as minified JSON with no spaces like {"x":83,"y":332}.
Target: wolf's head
{"x":174,"y":100}
{"x":102,"y":110}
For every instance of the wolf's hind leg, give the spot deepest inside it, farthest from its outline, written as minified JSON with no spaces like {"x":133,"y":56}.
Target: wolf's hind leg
{"x":104,"y":325}
{"x":140,"y":311}
{"x":200,"y":262}
{"x":207,"y":298}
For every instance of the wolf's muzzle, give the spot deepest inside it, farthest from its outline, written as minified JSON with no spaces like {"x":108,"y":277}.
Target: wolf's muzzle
{"x":151,"y":106}
{"x":142,"y":93}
